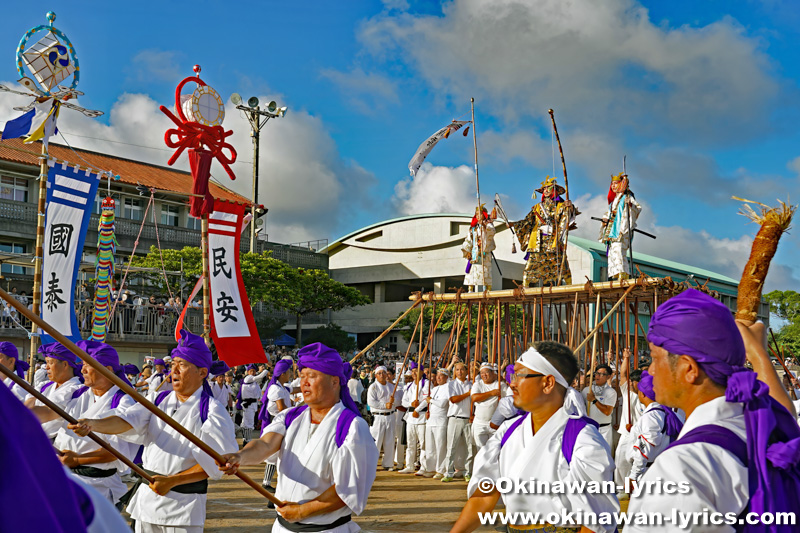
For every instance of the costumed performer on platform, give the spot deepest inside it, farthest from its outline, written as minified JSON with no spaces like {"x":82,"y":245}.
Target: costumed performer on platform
{"x":477,"y":250}
{"x":542,"y":234}
{"x":619,"y":221}
{"x":739,"y":449}
{"x":326,"y":455}
{"x":554,"y":440}
{"x":176,"y":501}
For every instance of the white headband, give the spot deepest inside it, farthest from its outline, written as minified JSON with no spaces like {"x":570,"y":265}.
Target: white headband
{"x":380,"y":368}
{"x":490,"y":366}
{"x":574,"y":404}
{"x":444,"y":371}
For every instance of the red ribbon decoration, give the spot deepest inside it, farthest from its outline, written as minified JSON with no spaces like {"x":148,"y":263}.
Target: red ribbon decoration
{"x":193,"y":135}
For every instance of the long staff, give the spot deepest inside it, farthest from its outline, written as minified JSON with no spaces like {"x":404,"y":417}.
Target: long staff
{"x":386,"y":331}
{"x":606,"y":317}
{"x":130,"y":391}
{"x":566,"y":191}
{"x":63,"y":414}
{"x":408,"y":350}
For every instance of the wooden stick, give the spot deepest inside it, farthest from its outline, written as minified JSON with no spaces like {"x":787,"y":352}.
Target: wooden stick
{"x":164,"y":380}
{"x":408,"y":350}
{"x":130,"y":391}
{"x":63,"y":414}
{"x":206,"y":289}
{"x":598,"y":326}
{"x":566,"y":191}
{"x":594,"y":343}
{"x":386,"y":331}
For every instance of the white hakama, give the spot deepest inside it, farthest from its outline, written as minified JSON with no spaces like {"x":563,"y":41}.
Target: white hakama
{"x":382,"y":429}
{"x":436,"y":430}
{"x":309,"y":463}
{"x":623,"y":469}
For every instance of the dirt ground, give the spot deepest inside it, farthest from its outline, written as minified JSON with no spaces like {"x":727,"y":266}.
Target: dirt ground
{"x":398,"y":502}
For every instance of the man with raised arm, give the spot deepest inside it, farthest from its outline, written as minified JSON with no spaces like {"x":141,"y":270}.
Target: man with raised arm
{"x":326,"y":455}
{"x":176,"y":500}
{"x":737,"y":453}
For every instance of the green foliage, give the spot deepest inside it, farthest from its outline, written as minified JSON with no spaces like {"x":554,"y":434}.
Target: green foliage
{"x":331,"y":335}
{"x":269,"y":327}
{"x":786,"y":305}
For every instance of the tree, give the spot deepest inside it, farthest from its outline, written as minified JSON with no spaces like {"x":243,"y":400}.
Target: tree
{"x":333,"y":336}
{"x":314,"y":291}
{"x":786,"y":305}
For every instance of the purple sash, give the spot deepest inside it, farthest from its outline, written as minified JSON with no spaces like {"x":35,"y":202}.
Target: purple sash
{"x":342,"y":425}
{"x":204,"y":401}
{"x":571,"y":430}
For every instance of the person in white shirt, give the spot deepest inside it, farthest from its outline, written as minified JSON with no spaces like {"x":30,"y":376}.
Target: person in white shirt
{"x":97,"y":398}
{"x":40,"y":376}
{"x":154,"y":382}
{"x":485,"y":396}
{"x":356,"y":388}
{"x":380,"y":402}
{"x":326,"y":456}
{"x":553,"y":441}
{"x":632,"y":409}
{"x":399,"y":414}
{"x":438,"y":401}
{"x":250,"y":393}
{"x":602,"y":399}
{"x":9,"y":358}
{"x":176,"y":500}
{"x":733,"y":453}
{"x":415,"y":419}
{"x":221,"y":391}
{"x":275,"y":400}
{"x":62,"y":371}
{"x":459,"y":430}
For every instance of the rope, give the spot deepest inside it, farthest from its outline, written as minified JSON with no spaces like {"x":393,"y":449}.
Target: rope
{"x":81,"y":158}
{"x":160,"y":251}
{"x":130,"y":261}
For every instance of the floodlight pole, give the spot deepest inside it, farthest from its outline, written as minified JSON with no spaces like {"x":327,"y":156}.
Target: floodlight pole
{"x":254,"y":115}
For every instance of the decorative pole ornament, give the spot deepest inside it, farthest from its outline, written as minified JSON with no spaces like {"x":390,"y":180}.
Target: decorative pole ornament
{"x":199,"y":128}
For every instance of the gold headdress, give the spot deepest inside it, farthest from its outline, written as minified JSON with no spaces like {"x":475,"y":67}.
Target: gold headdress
{"x":549,"y":182}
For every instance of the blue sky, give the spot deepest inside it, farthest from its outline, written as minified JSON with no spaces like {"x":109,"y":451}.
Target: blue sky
{"x":701,"y":96}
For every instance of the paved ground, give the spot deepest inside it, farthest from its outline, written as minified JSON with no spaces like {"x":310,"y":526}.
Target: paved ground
{"x":398,"y":502}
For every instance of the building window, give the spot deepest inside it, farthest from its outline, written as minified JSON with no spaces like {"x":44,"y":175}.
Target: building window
{"x":457,"y":227}
{"x":193,"y":223}
{"x":14,"y":189}
{"x":170,"y":215}
{"x":14,"y":248}
{"x":133,"y":209}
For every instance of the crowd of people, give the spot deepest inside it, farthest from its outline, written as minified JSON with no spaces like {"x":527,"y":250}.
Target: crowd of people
{"x":707,"y":408}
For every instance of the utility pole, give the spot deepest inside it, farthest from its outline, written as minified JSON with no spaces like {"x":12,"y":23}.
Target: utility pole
{"x":254,"y":115}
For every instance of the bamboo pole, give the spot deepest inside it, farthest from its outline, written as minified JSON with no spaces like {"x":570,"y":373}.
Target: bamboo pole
{"x":130,"y":391}
{"x":38,"y":258}
{"x":594,"y":344}
{"x":386,"y":331}
{"x":206,"y":290}
{"x":405,"y":359}
{"x":597,"y":326}
{"x":469,"y":338}
{"x":63,"y":414}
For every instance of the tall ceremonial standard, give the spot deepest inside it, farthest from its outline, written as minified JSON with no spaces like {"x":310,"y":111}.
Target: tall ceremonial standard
{"x":326,"y":455}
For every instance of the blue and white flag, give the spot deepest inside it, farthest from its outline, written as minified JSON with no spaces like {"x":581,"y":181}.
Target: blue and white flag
{"x":70,"y":199}
{"x":38,"y":124}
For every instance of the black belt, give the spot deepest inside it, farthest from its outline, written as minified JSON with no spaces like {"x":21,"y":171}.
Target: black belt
{"x":301,"y":527}
{"x":248,"y":402}
{"x":196,"y":487}
{"x":604,"y":425}
{"x":383,"y":414}
{"x":461,"y":417}
{"x":90,"y":471}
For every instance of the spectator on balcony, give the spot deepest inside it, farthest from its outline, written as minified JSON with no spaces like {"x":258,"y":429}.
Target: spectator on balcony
{"x":83,"y":293}
{"x":23,"y":298}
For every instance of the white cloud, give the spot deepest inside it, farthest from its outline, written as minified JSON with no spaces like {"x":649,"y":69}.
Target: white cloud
{"x":603,"y":64}
{"x":366,"y":91}
{"x":794,"y":165}
{"x":309,"y":188}
{"x":399,"y":5}
{"x":153,"y":64}
{"x":436,"y":190}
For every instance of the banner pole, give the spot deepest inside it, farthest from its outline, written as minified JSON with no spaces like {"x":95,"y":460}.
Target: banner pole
{"x":38,"y":256}
{"x":206,"y":307}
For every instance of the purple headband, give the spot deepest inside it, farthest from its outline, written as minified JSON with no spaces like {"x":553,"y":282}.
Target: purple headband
{"x":218,"y":368}
{"x":105,"y":355}
{"x":131,"y":369}
{"x":56,"y":350}
{"x":192,"y":348}
{"x":413,"y":364}
{"x":9,"y":350}
{"x":159,"y":362}
{"x":319,"y":357}
{"x":280,"y":368}
{"x":697,"y":325}
{"x":672,"y":424}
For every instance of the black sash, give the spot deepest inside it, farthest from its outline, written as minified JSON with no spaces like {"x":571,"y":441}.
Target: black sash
{"x":196,"y":487}
{"x":301,"y":527}
{"x":90,"y":471}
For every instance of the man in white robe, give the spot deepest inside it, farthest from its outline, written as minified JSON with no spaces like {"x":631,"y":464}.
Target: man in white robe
{"x":459,"y":430}
{"x":63,"y":372}
{"x":415,"y":421}
{"x":532,"y":446}
{"x":602,"y":399}
{"x":438,"y":402}
{"x":220,"y":390}
{"x":486,"y":393}
{"x":176,"y":501}
{"x":631,"y":411}
{"x":9,"y":358}
{"x":399,"y":419}
{"x":275,"y":400}
{"x":250,"y":393}
{"x":155,"y":383}
{"x":322,"y":480}
{"x":379,"y":400}
{"x":40,"y":376}
{"x":699,"y":354}
{"x":98,"y":398}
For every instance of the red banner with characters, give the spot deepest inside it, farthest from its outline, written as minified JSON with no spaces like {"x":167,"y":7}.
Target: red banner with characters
{"x":233,"y":328}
